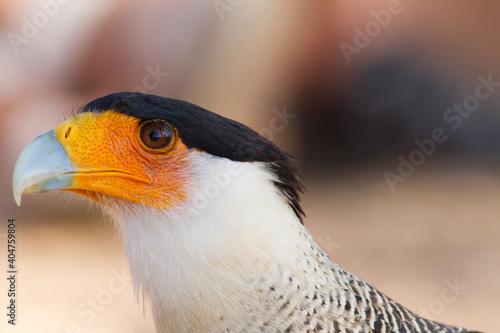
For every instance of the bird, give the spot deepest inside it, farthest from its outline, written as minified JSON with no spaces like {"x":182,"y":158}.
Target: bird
{"x":210,"y":216}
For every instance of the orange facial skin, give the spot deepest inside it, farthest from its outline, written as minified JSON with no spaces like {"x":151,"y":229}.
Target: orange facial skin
{"x":111,"y":159}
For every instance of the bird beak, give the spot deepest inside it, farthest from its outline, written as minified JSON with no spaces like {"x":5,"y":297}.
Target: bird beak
{"x":99,"y":155}
{"x":43,"y":166}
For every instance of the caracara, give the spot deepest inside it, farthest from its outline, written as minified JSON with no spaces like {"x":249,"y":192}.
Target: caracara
{"x":210,"y":217}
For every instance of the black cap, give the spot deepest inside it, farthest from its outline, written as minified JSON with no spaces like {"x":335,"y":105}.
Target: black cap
{"x":204,"y":130}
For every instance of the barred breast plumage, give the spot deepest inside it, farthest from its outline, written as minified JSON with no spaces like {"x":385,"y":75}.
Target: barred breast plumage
{"x":211,"y":221}
{"x":326,"y":298}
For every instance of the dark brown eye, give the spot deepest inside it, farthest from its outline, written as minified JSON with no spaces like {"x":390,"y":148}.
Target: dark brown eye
{"x":156,"y":134}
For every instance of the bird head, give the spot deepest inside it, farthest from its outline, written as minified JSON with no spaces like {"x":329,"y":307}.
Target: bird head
{"x":210,"y":215}
{"x":141,"y":148}
{"x":204,"y":204}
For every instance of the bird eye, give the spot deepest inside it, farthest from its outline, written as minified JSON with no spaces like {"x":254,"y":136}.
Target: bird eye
{"x":156,"y":134}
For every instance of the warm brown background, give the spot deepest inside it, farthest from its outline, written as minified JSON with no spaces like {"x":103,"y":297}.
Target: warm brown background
{"x":353,"y":120}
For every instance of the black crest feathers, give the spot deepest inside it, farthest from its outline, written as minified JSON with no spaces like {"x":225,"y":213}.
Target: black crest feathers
{"x":207,"y":131}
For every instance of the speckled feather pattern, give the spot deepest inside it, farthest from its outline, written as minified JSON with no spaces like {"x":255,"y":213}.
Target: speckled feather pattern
{"x":234,"y":268}
{"x":240,"y":260}
{"x":327,"y":298}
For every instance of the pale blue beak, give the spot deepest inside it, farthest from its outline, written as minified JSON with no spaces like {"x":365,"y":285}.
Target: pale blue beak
{"x":43,"y":166}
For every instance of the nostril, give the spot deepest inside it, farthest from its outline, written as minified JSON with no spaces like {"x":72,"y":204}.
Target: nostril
{"x":67,"y":132}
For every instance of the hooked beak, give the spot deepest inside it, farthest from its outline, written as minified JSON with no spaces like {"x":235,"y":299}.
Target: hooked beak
{"x":43,"y":166}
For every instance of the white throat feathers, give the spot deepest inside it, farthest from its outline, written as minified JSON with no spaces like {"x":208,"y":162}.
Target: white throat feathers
{"x":195,"y":262}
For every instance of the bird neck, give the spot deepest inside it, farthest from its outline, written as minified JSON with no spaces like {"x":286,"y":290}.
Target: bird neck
{"x":201,"y":263}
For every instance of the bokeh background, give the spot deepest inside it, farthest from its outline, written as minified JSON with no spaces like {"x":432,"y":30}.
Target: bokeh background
{"x":345,"y":86}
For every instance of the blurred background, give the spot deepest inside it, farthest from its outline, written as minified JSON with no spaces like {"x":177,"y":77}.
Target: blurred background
{"x":390,"y":107}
